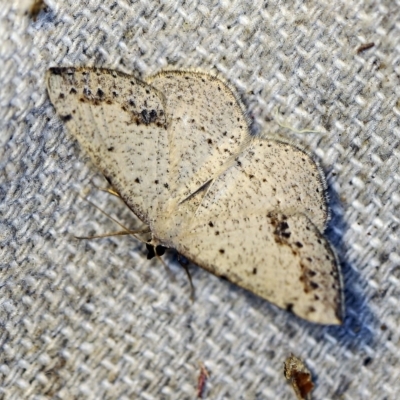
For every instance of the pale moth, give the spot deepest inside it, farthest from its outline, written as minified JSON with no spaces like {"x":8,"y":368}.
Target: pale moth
{"x":178,"y":150}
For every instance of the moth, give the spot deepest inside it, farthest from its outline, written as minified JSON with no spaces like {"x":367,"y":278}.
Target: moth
{"x":177,"y":148}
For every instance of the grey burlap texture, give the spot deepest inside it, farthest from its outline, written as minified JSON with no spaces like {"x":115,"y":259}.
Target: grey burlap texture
{"x":95,"y":319}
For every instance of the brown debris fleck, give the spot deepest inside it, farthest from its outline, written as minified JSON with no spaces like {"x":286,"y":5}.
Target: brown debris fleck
{"x":281,"y":232}
{"x":299,"y":376}
{"x":201,"y":383}
{"x":365,"y":47}
{"x":36,"y":7}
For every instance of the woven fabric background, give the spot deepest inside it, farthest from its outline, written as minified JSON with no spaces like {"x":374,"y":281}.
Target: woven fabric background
{"x":95,"y":319}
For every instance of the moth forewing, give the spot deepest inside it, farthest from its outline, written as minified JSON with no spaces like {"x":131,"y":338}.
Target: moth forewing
{"x":121,"y":123}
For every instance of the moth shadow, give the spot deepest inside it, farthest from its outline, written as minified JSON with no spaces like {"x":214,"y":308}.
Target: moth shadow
{"x":354,"y":331}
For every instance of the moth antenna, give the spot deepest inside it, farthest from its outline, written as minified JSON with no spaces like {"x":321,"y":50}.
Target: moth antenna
{"x":113,"y":192}
{"x":276,"y":118}
{"x":106,"y":214}
{"x":127,"y":230}
{"x":185,"y":267}
{"x":118,"y":233}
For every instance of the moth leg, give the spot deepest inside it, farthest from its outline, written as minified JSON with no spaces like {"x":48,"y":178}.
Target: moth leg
{"x":111,"y":191}
{"x":169,"y":272}
{"x":185,"y":267}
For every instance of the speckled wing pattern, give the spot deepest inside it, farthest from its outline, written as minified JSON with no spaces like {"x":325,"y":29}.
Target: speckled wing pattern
{"x":255,"y":226}
{"x":178,"y":150}
{"x":201,"y":140}
{"x":120,"y":122}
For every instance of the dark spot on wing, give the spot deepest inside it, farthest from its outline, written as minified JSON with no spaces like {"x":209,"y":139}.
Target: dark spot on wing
{"x":314,"y":285}
{"x":153,"y":115}
{"x":87,"y":92}
{"x":145,"y":116}
{"x":281,"y":230}
{"x":306,"y":275}
{"x":66,"y":118}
